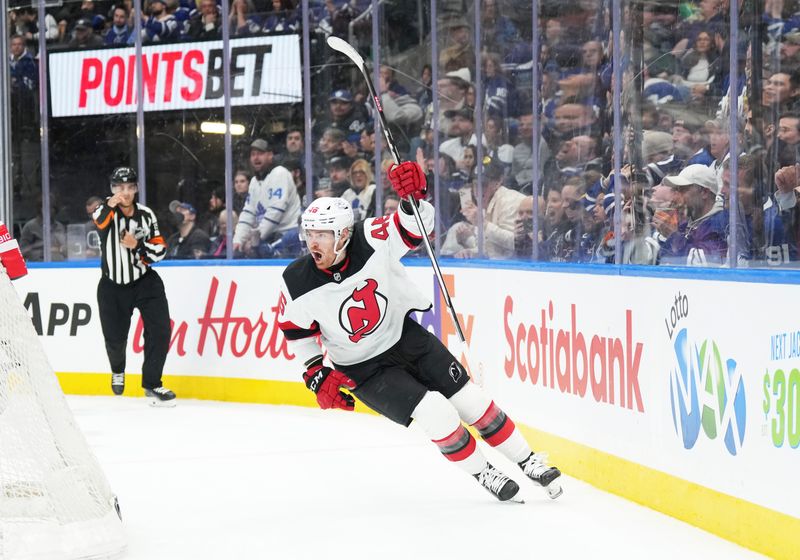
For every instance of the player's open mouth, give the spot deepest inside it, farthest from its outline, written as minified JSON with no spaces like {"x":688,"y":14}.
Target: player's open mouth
{"x":316,"y":255}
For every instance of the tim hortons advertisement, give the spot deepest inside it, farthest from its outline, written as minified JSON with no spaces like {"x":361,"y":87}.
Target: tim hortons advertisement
{"x":264,"y":70}
{"x":698,"y":379}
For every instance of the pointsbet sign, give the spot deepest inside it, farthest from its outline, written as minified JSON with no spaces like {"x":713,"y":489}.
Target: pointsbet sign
{"x":264,"y":70}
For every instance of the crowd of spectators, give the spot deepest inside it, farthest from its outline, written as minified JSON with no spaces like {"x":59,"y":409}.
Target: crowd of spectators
{"x":83,"y":24}
{"x":674,"y":193}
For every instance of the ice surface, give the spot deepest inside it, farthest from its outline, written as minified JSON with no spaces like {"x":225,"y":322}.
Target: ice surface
{"x":210,"y":480}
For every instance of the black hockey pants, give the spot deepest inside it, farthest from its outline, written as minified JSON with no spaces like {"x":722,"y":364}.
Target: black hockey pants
{"x":116,"y":303}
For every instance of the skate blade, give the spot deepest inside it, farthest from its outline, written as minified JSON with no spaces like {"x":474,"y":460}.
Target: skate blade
{"x":553,"y":490}
{"x":157,"y":403}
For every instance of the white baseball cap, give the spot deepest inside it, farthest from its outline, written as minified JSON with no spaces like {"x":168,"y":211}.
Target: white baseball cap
{"x":695,"y":174}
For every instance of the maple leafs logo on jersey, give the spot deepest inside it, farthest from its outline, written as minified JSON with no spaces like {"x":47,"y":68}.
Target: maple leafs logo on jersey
{"x":363,"y":311}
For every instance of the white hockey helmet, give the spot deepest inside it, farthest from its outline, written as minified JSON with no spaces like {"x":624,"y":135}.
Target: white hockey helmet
{"x":329,"y":214}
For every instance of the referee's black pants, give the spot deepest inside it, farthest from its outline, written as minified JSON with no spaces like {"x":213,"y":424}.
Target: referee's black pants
{"x":116,"y":303}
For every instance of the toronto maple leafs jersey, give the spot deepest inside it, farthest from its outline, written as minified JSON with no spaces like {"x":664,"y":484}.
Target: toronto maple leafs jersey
{"x":358,"y":306}
{"x":272,"y":205}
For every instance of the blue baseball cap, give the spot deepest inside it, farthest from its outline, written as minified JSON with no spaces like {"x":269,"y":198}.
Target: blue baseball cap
{"x":175,"y":204}
{"x":341,"y":95}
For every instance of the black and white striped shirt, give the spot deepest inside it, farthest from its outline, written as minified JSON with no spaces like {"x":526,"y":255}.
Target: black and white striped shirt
{"x":120,"y":264}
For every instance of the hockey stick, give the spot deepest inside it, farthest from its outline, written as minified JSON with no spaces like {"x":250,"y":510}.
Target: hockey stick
{"x":346,"y":49}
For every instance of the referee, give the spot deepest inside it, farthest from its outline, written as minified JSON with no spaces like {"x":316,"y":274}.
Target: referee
{"x":130,"y":242}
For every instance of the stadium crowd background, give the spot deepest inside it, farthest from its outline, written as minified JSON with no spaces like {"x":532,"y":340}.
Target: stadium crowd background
{"x":540,"y":186}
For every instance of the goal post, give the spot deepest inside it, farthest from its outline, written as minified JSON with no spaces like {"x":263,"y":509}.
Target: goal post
{"x":55,"y":501}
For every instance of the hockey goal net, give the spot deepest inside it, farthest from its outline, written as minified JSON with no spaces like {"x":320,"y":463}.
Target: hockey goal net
{"x":55,"y":501}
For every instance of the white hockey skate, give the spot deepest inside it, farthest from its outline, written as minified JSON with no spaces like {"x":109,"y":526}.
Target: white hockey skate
{"x":535,"y":467}
{"x":498,"y":484}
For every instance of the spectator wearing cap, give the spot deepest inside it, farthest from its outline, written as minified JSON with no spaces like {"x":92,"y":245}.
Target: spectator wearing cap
{"x":261,"y":158}
{"x":339,"y":171}
{"x":268,"y":223}
{"x":462,"y":133}
{"x":351,"y":146}
{"x":790,"y":51}
{"x":499,"y":206}
{"x":344,"y":113}
{"x":459,"y":51}
{"x":84,"y":36}
{"x":205,"y":24}
{"x":702,"y":239}
{"x":361,"y":195}
{"x":160,"y":26}
{"x":120,"y":32}
{"x":452,"y":90}
{"x":189,"y":241}
{"x":688,"y":142}
{"x":659,"y":157}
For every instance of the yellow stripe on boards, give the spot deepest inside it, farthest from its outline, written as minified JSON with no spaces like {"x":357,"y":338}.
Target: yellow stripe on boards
{"x":752,"y":526}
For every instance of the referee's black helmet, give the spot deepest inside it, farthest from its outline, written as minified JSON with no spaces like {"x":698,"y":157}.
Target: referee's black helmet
{"x":123,"y":175}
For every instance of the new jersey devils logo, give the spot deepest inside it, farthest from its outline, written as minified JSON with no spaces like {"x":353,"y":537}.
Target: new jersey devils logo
{"x":363,"y":311}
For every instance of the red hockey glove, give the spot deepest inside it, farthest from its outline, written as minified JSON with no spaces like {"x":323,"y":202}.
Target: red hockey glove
{"x":325,"y":382}
{"x":408,"y":179}
{"x":10,"y":255}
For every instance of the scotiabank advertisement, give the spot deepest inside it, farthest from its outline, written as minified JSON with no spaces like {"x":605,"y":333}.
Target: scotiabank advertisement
{"x":698,"y":379}
{"x":264,"y":70}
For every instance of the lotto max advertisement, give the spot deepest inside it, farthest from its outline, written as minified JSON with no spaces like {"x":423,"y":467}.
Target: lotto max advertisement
{"x":697,"y":379}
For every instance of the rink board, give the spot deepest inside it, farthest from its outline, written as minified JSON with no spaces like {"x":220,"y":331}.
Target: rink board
{"x":679,"y":394}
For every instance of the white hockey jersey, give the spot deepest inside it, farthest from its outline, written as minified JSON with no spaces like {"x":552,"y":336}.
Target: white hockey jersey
{"x":272,"y":205}
{"x":358,"y":306}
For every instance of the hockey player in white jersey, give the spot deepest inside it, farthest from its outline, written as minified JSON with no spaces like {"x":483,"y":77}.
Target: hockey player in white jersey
{"x":353,"y":292}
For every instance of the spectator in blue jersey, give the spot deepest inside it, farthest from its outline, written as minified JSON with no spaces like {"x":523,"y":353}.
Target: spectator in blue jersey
{"x":23,"y":68}
{"x":496,"y":87}
{"x":498,"y":32}
{"x":160,"y":26}
{"x":344,"y":113}
{"x":120,"y":32}
{"x":688,"y":142}
{"x":283,"y":18}
{"x":205,"y":24}
{"x":761,"y":239}
{"x":243,"y":18}
{"x":658,"y":154}
{"x":702,"y":236}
